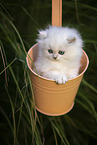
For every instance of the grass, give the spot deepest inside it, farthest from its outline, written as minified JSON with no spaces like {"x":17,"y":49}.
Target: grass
{"x":21,"y":124}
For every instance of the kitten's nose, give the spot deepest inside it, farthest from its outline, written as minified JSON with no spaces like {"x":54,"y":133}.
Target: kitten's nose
{"x":55,"y":57}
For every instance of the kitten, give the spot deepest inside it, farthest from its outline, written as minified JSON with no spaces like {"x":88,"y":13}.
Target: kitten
{"x":59,"y":53}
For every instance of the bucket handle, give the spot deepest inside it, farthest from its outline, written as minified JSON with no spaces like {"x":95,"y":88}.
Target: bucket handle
{"x":57,"y":13}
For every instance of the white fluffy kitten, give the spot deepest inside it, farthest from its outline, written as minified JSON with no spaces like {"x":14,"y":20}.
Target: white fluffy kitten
{"x":59,"y":53}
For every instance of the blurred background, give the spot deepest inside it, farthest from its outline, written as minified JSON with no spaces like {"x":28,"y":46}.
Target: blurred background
{"x":20,"y":123}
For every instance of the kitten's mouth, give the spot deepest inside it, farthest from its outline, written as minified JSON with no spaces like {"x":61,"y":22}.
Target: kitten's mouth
{"x":55,"y":59}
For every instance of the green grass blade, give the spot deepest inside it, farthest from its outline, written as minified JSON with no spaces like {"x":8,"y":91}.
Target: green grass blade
{"x":89,"y":85}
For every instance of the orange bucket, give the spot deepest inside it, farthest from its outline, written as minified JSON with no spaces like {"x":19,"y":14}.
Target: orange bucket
{"x":50,"y":98}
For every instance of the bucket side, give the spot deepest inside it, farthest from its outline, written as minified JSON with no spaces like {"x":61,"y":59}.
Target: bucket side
{"x":53,"y":101}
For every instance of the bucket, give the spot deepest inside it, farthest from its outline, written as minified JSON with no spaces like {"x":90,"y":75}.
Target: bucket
{"x":50,"y":98}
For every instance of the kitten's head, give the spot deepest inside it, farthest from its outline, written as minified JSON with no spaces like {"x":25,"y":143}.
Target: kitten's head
{"x":59,"y":43}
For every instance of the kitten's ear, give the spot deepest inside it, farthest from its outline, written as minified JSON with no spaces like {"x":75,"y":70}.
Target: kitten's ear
{"x":71,"y":40}
{"x":42,"y":34}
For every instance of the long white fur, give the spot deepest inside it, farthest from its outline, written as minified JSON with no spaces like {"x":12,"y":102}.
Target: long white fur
{"x":65,"y":66}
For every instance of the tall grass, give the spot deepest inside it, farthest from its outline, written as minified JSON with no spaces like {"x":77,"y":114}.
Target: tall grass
{"x":21,"y":124}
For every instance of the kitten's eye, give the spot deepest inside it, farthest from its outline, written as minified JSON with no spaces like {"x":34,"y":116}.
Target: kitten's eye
{"x":50,"y":50}
{"x":61,"y":52}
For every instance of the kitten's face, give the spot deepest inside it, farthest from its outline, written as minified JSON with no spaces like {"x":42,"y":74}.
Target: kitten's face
{"x":54,"y":53}
{"x":58,"y":43}
{"x":54,"y":49}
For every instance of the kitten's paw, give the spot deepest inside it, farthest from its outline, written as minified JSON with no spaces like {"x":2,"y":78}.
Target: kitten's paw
{"x":61,"y":79}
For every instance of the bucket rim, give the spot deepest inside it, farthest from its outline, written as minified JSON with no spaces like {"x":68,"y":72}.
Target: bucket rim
{"x":51,"y":79}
